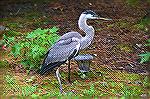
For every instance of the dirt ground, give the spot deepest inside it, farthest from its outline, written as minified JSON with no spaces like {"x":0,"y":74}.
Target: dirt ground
{"x":115,"y":42}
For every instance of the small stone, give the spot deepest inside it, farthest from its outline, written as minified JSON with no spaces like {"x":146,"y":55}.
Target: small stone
{"x":120,"y":68}
{"x":144,"y":96}
{"x":90,"y":3}
{"x":139,"y":45}
{"x":138,"y":82}
{"x":35,"y":5}
{"x":2,"y":28}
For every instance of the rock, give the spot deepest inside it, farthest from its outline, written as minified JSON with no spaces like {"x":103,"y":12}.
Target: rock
{"x":3,"y":28}
{"x":139,"y":45}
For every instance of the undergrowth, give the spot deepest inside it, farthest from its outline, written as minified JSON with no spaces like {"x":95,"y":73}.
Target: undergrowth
{"x":145,"y":57}
{"x":26,"y":90}
{"x":30,"y":49}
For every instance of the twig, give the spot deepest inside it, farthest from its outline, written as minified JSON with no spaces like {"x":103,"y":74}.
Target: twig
{"x":18,"y":11}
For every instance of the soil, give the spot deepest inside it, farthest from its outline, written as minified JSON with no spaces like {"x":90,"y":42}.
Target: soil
{"x":107,"y":41}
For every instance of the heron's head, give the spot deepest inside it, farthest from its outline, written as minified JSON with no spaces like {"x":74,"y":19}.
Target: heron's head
{"x":89,"y":14}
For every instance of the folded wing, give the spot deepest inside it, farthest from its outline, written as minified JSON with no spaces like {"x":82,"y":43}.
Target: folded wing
{"x":65,"y":48}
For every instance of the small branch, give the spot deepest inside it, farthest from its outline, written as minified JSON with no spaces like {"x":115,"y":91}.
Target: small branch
{"x":18,"y":11}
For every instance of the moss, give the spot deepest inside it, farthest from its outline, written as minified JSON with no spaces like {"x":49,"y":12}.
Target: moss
{"x":132,"y":2}
{"x":124,"y":47}
{"x":4,"y":64}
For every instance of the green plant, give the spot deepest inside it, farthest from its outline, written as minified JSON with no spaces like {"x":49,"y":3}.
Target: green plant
{"x":91,"y":91}
{"x":7,"y":41}
{"x":28,"y":90}
{"x":12,"y":83}
{"x":145,"y":57}
{"x":129,"y":91}
{"x":132,"y":2}
{"x":30,"y":49}
{"x":146,"y":81}
{"x":52,"y":94}
{"x":143,"y":23}
{"x":24,"y":90}
{"x":35,"y":96}
{"x":3,"y":64}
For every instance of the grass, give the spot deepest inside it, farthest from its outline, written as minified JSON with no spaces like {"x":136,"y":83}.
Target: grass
{"x":115,"y":84}
{"x":17,"y":89}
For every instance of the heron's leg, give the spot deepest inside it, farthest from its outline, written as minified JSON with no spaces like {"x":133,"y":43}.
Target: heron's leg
{"x":58,"y":78}
{"x":69,"y":71}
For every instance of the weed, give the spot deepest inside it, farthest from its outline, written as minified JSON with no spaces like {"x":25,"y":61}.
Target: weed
{"x":146,"y":82}
{"x":8,"y":40}
{"x":28,"y":90}
{"x":35,"y":96}
{"x":131,"y":91}
{"x":145,"y":57}
{"x":30,"y":48}
{"x":124,"y":47}
{"x":142,"y":24}
{"x":24,"y":90}
{"x":4,"y":64}
{"x":52,"y":94}
{"x":11,"y":82}
{"x":91,"y":91}
{"x":132,"y":2}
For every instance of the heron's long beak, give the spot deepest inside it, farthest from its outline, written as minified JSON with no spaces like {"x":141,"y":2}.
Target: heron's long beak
{"x":103,"y":18}
{"x":100,"y":18}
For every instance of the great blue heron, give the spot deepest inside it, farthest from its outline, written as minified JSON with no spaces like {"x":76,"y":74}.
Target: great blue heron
{"x":68,"y":46}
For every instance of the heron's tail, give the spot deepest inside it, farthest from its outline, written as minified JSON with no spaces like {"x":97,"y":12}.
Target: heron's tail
{"x":46,"y":68}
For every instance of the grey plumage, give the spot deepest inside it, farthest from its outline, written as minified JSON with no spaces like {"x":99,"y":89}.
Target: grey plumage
{"x":60,"y":51}
{"x":63,"y":48}
{"x":69,"y":44}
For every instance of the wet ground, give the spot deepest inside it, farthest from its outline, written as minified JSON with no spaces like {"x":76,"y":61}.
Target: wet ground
{"x":117,"y":43}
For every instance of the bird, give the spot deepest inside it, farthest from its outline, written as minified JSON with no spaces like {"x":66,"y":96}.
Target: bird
{"x":69,"y":44}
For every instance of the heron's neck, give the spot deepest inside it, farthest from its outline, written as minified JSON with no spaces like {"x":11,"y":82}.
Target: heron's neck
{"x":89,"y":30}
